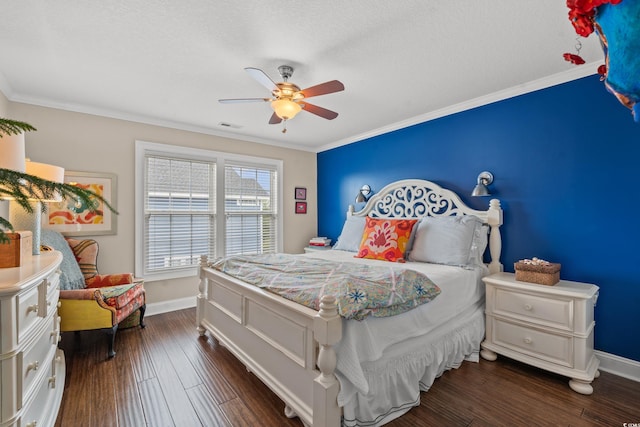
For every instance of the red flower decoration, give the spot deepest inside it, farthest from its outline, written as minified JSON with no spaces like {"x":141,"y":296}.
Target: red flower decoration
{"x":582,"y":15}
{"x":602,"y":70}
{"x":582,"y":22}
{"x":574,"y":59}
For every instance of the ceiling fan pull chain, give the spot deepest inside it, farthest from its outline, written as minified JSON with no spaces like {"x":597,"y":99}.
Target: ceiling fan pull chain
{"x":284,"y":126}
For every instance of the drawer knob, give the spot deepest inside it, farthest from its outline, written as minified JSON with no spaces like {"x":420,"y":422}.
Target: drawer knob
{"x":32,"y":424}
{"x":31,"y":308}
{"x":528,"y":307}
{"x":33,"y":365}
{"x":52,"y":381}
{"x":528,"y":340}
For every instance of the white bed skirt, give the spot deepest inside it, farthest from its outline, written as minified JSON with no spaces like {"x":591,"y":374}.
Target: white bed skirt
{"x":398,"y":378}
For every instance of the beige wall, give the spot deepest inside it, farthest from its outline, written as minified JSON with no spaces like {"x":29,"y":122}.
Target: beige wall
{"x":83,"y":142}
{"x":4,"y":106}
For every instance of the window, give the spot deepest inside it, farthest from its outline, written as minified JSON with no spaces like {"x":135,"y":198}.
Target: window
{"x":181,"y":216}
{"x":250,"y":209}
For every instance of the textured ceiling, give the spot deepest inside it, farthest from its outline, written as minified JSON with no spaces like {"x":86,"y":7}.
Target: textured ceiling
{"x":168,"y":62}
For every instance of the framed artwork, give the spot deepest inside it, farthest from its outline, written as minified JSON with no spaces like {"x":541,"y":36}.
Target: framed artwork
{"x":72,"y":218}
{"x":301,"y":193}
{"x":301,"y":207}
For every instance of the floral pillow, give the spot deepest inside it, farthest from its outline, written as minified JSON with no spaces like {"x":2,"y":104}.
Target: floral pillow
{"x":385,"y":239}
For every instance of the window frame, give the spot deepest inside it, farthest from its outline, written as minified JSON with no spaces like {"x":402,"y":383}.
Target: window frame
{"x":142,"y":148}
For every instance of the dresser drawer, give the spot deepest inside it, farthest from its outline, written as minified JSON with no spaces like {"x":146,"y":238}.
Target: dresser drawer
{"x":39,"y":356}
{"x":49,"y":298}
{"x":40,"y":410}
{"x":554,"y":348}
{"x":27,"y":312}
{"x":552,"y":312}
{"x":51,"y":285}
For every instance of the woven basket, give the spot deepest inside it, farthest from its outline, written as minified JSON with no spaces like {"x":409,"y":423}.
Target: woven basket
{"x":541,"y":274}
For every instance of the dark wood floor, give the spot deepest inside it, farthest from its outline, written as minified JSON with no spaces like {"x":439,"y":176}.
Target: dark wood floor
{"x":165,"y":375}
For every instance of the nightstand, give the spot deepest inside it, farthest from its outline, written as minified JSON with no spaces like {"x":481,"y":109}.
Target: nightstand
{"x":316,"y":248}
{"x":550,"y":327}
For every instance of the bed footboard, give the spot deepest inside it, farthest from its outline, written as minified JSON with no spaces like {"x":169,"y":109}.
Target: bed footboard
{"x":288,"y":346}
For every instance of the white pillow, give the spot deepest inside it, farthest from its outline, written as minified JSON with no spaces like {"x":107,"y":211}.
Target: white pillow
{"x":451,"y":240}
{"x":351,"y":235}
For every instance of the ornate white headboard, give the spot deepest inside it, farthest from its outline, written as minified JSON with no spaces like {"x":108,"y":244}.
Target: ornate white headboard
{"x":417,"y":198}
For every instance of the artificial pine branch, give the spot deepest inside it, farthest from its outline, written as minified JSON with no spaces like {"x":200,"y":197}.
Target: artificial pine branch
{"x":14,"y":127}
{"x":24,"y":189}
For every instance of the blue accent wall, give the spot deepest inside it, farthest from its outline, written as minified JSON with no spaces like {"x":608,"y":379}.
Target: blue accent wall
{"x":566,"y":162}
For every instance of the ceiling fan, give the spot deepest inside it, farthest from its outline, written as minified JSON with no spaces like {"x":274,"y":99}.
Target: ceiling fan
{"x":287,"y":99}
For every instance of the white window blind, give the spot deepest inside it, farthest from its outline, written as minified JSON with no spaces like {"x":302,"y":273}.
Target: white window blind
{"x":179,"y":212}
{"x":192,"y":202}
{"x":251,"y":208}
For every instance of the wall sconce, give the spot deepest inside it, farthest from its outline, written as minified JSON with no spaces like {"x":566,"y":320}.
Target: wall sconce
{"x":363,"y":194}
{"x":485,"y":178}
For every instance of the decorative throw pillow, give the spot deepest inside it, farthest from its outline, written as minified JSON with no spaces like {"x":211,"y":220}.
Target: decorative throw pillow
{"x":86,"y":253}
{"x":351,"y":235}
{"x":452,"y":240}
{"x":385,"y":239}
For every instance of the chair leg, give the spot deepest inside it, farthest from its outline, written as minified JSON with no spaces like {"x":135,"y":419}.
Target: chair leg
{"x":143,"y":308}
{"x":111,"y":336}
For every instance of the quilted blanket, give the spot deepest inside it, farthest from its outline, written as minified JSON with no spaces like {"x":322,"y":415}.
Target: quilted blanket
{"x":360,"y":290}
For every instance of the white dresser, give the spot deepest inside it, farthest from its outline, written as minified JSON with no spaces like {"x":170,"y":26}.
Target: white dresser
{"x":550,"y":327}
{"x":32,"y":368}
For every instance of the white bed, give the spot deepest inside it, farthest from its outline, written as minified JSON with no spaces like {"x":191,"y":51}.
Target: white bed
{"x":331,"y":371}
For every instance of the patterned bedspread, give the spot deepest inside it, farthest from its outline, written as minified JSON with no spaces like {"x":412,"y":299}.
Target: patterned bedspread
{"x":360,"y":290}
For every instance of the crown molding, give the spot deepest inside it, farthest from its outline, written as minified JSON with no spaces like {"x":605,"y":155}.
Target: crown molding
{"x":574,"y":73}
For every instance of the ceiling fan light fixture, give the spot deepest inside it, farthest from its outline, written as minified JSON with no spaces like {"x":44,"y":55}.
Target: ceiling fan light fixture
{"x":285,"y":108}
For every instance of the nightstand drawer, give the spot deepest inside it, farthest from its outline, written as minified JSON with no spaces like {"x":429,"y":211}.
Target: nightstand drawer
{"x":542,"y":345}
{"x":552,"y":312}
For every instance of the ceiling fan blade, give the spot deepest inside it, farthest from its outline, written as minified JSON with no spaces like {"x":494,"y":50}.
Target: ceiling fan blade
{"x":319,"y":111}
{"x":274,"y":120}
{"x":262,"y":78}
{"x":323,"y":89}
{"x":239,"y":100}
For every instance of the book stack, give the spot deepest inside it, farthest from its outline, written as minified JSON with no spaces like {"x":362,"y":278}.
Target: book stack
{"x":320,"y":241}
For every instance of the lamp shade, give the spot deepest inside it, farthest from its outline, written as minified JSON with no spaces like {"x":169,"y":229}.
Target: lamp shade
{"x":285,"y":108}
{"x":12,"y":152}
{"x":48,"y":172}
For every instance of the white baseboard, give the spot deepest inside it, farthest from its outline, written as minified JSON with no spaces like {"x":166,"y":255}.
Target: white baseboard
{"x":620,"y":366}
{"x":171,"y":305}
{"x":611,"y":363}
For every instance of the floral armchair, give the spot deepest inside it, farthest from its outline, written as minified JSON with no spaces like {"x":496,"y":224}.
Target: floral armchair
{"x":88,"y":300}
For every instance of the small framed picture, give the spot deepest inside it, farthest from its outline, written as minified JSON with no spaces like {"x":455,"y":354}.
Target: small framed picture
{"x":301,"y":193}
{"x":301,"y":207}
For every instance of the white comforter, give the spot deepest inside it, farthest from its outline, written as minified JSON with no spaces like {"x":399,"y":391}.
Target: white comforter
{"x":374,"y":339}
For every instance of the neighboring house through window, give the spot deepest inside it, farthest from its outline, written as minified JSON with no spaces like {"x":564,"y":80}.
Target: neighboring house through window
{"x":180,"y":216}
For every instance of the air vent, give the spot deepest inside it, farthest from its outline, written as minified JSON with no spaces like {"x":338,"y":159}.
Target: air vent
{"x":229,"y":125}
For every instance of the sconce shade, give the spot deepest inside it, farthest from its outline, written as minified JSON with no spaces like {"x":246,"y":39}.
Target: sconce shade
{"x":480,"y":190}
{"x":363,"y":193}
{"x":484,"y":179}
{"x":12,"y":152}
{"x":285,"y":108}
{"x":48,"y":172}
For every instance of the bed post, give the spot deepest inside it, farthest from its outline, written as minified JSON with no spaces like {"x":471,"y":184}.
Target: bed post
{"x":327,"y":330}
{"x":495,"y":240}
{"x":202,"y":296}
